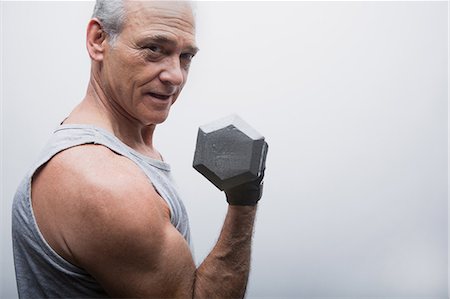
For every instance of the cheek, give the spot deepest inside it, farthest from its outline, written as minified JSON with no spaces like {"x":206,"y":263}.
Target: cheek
{"x":115,"y":69}
{"x":128,"y":75}
{"x":124,"y":63}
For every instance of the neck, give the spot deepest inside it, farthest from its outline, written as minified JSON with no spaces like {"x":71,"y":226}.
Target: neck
{"x":96,"y":109}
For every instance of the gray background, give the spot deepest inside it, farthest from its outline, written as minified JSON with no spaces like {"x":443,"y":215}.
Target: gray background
{"x":352,"y":98}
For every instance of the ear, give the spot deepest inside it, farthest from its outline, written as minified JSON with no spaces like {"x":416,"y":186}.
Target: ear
{"x":95,"y":40}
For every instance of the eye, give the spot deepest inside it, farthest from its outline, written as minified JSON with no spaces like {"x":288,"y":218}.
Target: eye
{"x":152,"y":51}
{"x":153,"y":48}
{"x":187,"y":57}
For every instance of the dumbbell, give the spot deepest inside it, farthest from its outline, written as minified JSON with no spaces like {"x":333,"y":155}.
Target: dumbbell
{"x":229,"y":152}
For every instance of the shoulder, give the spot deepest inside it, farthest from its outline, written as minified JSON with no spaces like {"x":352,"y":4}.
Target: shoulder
{"x":88,"y":196}
{"x":94,"y":177}
{"x":99,"y":211}
{"x":93,"y":168}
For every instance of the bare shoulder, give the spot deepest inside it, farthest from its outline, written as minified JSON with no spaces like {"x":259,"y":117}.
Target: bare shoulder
{"x":95,"y":166}
{"x":99,"y":211}
{"x":88,"y":195}
{"x":92,"y":175}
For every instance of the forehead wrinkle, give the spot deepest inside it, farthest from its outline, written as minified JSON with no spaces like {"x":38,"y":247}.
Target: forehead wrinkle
{"x":151,"y":25}
{"x":177,"y":14}
{"x":169,"y":24}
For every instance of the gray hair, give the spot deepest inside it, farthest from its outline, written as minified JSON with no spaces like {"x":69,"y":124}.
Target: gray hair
{"x":111,"y":13}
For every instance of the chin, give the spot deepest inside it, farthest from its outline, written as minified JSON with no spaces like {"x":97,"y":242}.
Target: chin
{"x":156,"y":118}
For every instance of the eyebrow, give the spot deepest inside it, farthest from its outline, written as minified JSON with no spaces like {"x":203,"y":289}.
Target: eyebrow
{"x":163,"y":39}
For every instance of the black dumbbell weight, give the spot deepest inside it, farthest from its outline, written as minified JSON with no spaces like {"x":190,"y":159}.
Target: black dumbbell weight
{"x":230,"y":152}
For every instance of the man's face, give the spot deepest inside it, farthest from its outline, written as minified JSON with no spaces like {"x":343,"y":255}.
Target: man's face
{"x":147,"y":67}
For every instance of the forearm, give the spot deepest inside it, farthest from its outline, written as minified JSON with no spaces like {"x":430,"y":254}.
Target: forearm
{"x":224,"y":273}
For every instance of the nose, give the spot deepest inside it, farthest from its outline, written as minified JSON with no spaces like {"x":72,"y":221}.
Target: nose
{"x":172,"y":72}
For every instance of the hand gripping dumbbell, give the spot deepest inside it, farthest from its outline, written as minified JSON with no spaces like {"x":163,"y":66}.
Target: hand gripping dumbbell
{"x":231,"y":155}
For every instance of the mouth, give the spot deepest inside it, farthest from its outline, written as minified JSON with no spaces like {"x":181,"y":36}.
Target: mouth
{"x":163,"y":97}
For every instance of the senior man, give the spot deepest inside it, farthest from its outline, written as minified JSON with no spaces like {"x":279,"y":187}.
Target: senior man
{"x":98,"y":214}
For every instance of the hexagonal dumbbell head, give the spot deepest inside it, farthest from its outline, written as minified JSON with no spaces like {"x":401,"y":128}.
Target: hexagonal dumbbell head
{"x":229,"y":152}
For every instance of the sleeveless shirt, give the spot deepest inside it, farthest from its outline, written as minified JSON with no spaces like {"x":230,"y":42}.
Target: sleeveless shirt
{"x":40,"y":271}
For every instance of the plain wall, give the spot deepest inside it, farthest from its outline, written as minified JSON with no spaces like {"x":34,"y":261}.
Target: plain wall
{"x":352,"y":98}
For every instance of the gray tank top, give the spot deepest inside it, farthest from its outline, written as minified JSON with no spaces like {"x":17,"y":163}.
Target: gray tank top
{"x":40,"y":271}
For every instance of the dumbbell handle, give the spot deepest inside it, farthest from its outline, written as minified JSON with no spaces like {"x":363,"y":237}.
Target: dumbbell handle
{"x":249,"y":193}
